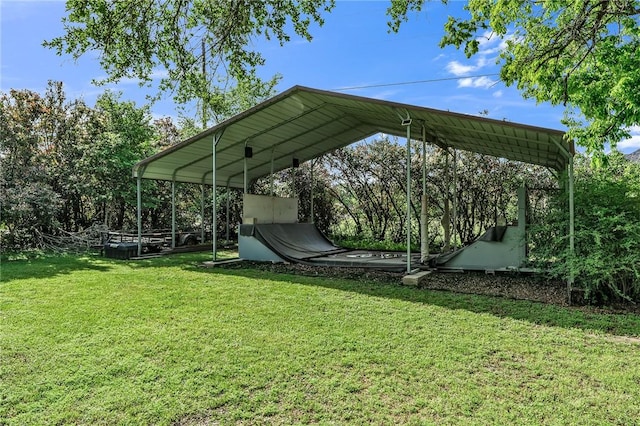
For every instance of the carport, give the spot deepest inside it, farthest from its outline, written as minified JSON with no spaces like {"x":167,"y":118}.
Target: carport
{"x":302,"y":124}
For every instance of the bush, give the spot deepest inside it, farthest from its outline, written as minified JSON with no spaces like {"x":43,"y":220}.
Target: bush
{"x":606,"y":262}
{"x":27,"y":209}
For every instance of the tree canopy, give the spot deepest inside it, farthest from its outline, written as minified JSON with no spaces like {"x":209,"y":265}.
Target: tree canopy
{"x":579,"y":54}
{"x":200,"y":49}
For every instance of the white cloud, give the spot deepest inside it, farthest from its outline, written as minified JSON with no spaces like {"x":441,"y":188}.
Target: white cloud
{"x":459,"y":70}
{"x":633,"y":143}
{"x":476,"y":82}
{"x":487,"y":38}
{"x":491,"y":44}
{"x":482,"y":60}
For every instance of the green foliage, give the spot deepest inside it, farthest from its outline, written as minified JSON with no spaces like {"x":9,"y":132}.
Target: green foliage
{"x":164,"y":342}
{"x":368,"y":184}
{"x":197,"y":49}
{"x":607,"y":232}
{"x":355,"y":242}
{"x":370,"y":187}
{"x":65,"y":166}
{"x":27,"y":210}
{"x":579,"y":54}
{"x":37,"y":136}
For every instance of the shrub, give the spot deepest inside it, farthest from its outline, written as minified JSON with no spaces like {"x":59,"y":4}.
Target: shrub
{"x":606,"y":262}
{"x":27,"y":210}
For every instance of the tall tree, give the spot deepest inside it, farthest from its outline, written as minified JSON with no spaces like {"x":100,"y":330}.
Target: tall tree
{"x":125,"y":140}
{"x":582,"y":54}
{"x":41,"y":139}
{"x":201,"y":49}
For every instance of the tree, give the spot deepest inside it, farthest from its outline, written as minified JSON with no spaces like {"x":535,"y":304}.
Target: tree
{"x":200,"y":48}
{"x":40,"y":191}
{"x":124,"y":140}
{"x":579,"y":54}
{"x":65,"y":166}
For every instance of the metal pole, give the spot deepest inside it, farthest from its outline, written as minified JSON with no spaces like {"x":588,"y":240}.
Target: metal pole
{"x":455,"y":197}
{"x":271,"y":176}
{"x":424,"y":229}
{"x":446,"y":217}
{"x":214,"y":222}
{"x":569,"y":156}
{"x":173,"y":214}
{"x":227,"y":237}
{"x":571,"y":231}
{"x":424,"y":161}
{"x":409,"y":197}
{"x":293,"y":182}
{"x":202,"y":213}
{"x":312,"y":185}
{"x":139,"y":212}
{"x":245,"y":171}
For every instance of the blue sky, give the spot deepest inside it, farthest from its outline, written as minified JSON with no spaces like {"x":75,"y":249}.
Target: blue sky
{"x":352,"y":49}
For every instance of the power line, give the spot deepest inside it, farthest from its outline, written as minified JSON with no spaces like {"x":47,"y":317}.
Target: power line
{"x":404,"y":83}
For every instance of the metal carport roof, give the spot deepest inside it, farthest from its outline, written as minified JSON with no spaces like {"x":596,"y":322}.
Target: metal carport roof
{"x":304,"y":123}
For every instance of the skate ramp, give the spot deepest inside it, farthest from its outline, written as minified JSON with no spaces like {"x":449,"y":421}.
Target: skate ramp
{"x":290,"y":241}
{"x":304,"y":243}
{"x":500,"y":247}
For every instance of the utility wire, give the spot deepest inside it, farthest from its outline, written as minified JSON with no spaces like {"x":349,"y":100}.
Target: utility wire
{"x":404,"y":83}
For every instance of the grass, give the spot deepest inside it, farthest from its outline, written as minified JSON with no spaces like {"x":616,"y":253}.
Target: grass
{"x":98,"y":341}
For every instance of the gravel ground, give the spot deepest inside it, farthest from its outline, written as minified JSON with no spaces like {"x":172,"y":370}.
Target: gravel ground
{"x":518,"y":286}
{"x":512,"y":286}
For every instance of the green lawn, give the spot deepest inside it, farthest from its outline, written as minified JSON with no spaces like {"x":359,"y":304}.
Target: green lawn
{"x":99,"y":341}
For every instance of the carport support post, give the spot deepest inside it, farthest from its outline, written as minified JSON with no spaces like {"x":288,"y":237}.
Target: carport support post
{"x":455,"y":197}
{"x":571,"y":230}
{"x":446,"y":217}
{"x":227,"y":236}
{"x":424,"y":229}
{"x":173,"y":214}
{"x":244,"y":173}
{"x":214,"y":195}
{"x":202,"y":214}
{"x":312,"y":185}
{"x":139,"y":212}
{"x":407,"y":123}
{"x":571,"y":277}
{"x":271,"y":175}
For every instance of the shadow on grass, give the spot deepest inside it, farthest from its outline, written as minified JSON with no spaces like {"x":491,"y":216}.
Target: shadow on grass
{"x":587,"y":319}
{"x":49,"y":266}
{"x":181,"y":260}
